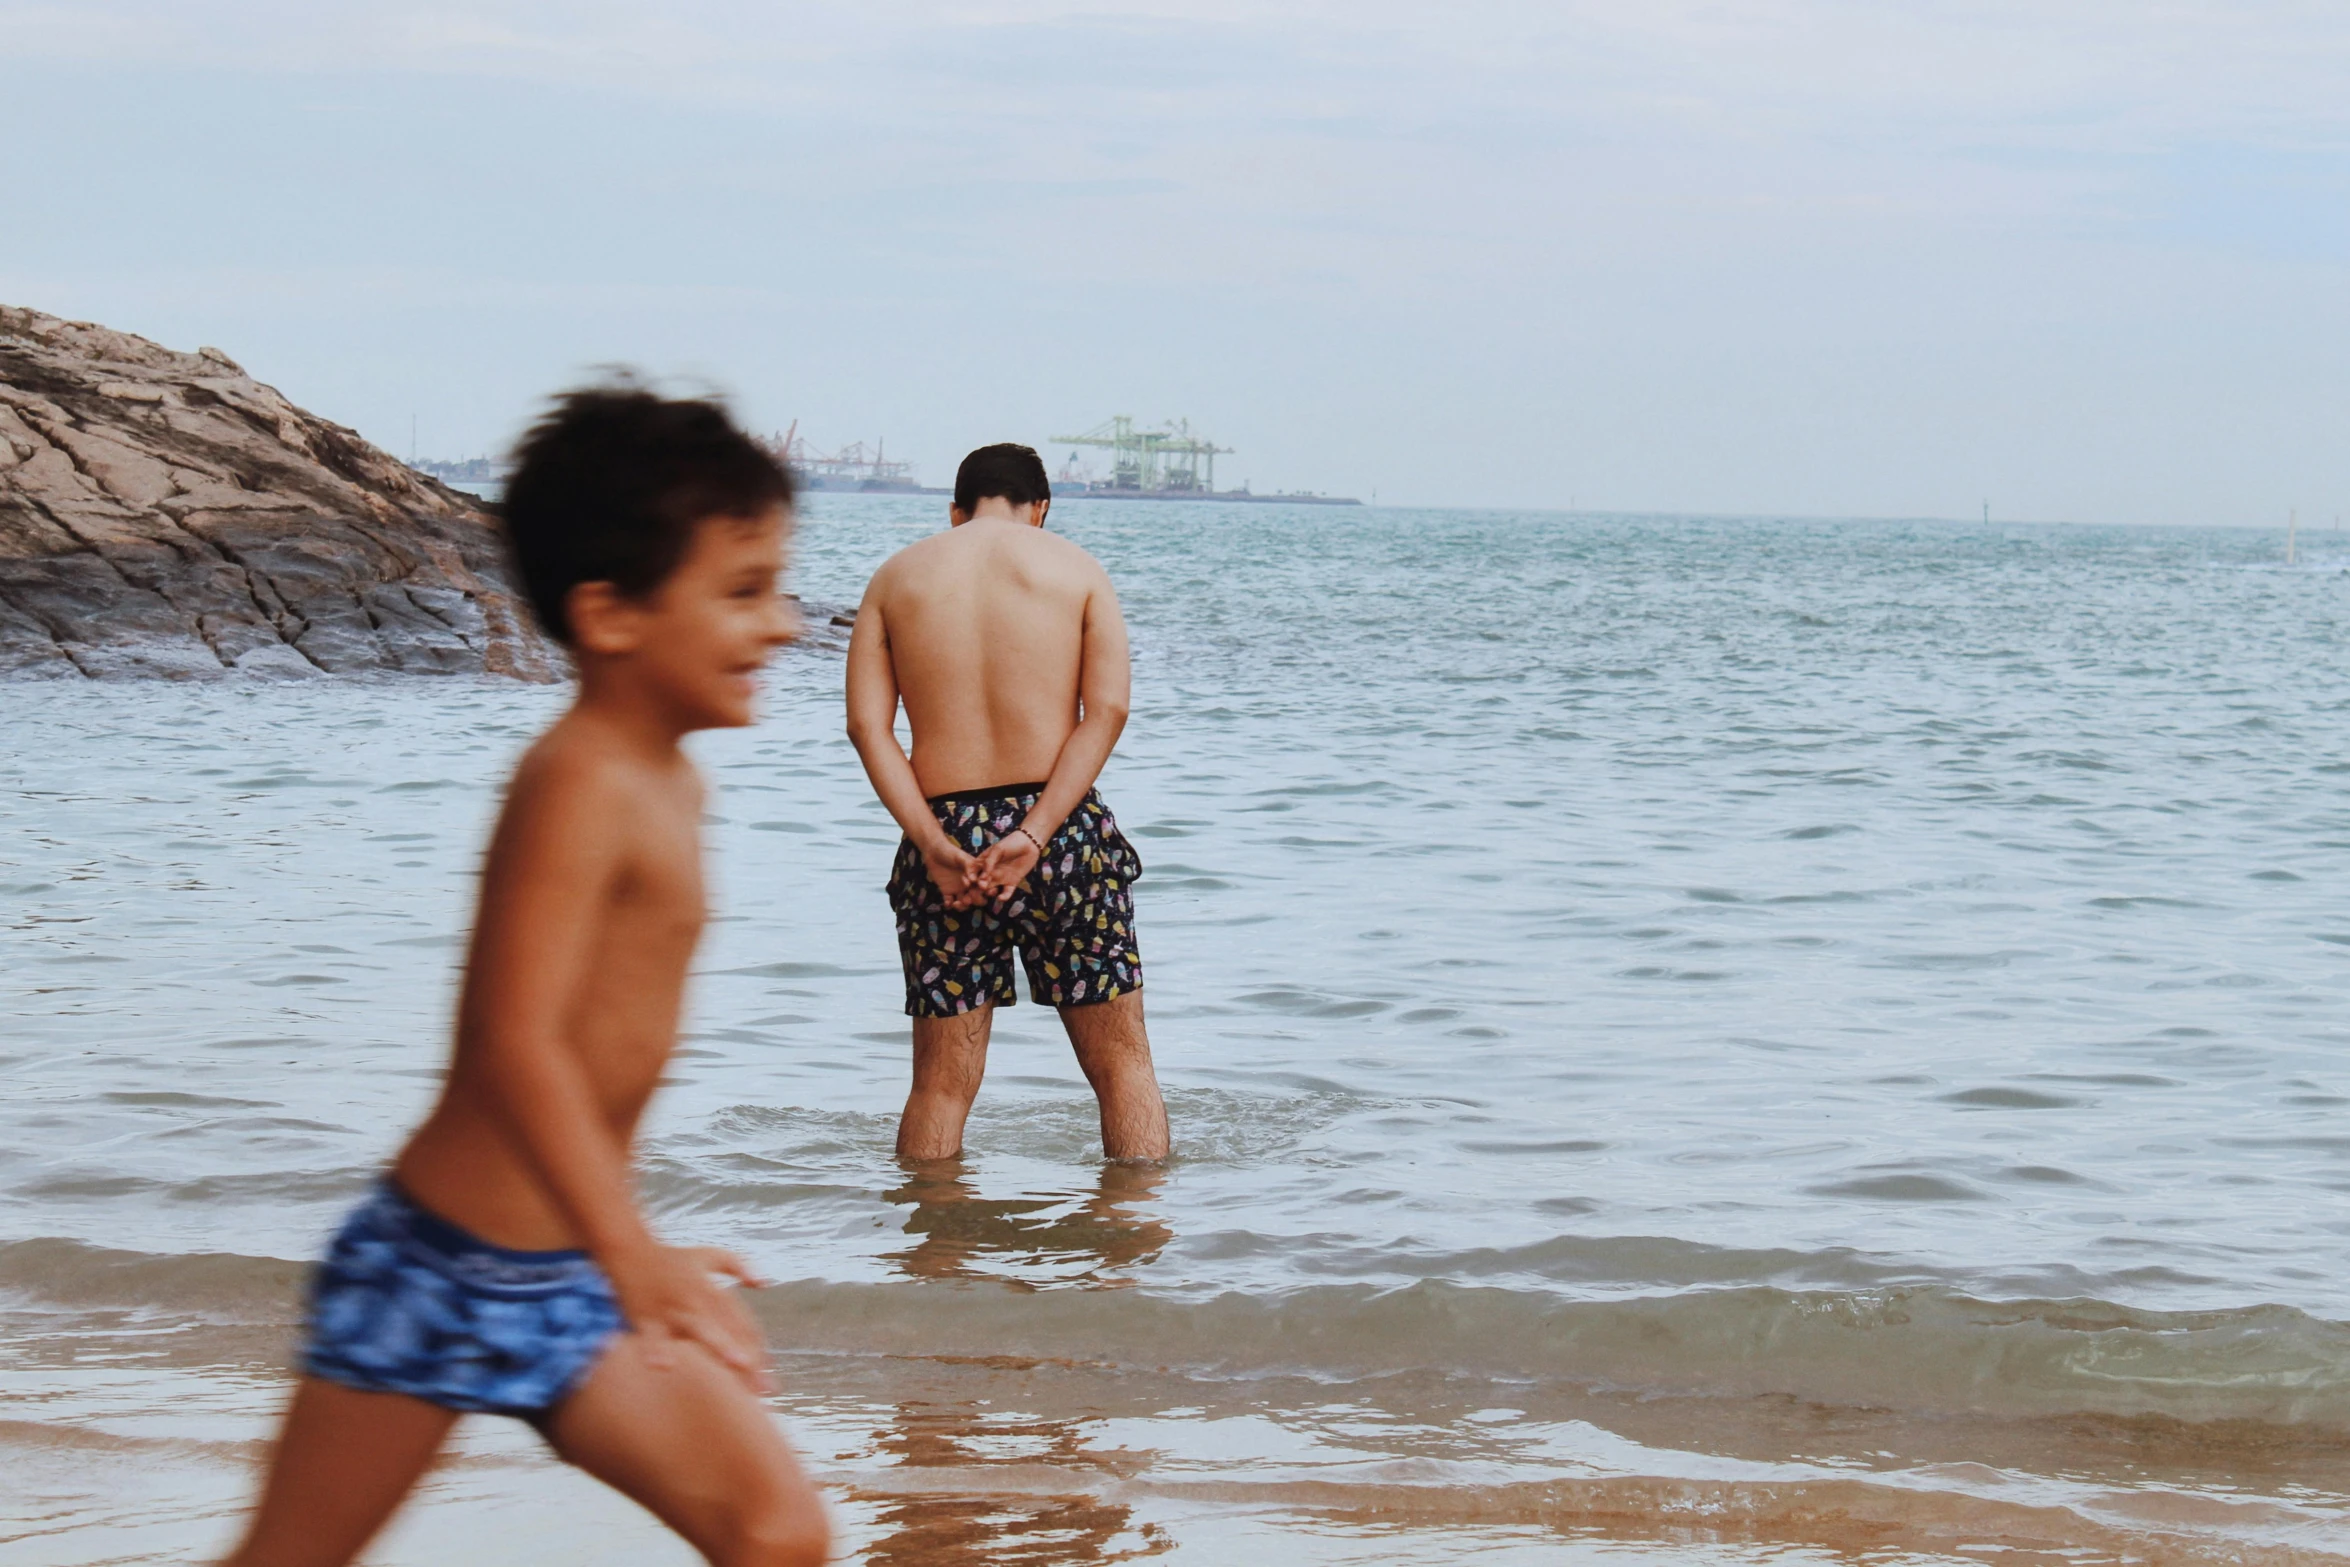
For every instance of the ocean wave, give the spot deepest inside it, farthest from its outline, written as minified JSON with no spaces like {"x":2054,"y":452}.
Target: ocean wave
{"x":1923,"y":1350}
{"x":219,"y":1288}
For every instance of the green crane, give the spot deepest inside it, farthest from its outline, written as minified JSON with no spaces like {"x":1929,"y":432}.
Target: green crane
{"x":1168,"y":459}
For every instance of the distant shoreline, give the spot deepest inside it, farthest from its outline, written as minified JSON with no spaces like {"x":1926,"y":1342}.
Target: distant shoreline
{"x":1242,"y":496}
{"x":489,"y":490}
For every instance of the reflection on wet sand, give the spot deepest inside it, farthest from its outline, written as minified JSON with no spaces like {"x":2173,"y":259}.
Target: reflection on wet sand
{"x":1028,"y":1241}
{"x":947,"y":1530}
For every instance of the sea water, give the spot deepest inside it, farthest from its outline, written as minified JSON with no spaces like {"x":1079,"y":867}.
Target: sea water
{"x":1692,"y":1038}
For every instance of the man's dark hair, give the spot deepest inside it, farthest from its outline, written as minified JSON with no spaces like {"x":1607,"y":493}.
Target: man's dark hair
{"x":610,"y":484}
{"x":1010,"y":471}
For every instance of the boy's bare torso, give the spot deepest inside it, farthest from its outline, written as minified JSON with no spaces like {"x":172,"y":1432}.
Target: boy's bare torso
{"x":986,"y":635}
{"x":616,"y":993}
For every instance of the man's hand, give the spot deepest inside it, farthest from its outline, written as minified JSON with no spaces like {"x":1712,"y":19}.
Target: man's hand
{"x":671,"y":1297}
{"x":953,"y":873}
{"x":1004,"y":865}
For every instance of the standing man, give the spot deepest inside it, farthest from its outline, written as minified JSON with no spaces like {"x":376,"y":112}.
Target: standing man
{"x":1005,"y":644}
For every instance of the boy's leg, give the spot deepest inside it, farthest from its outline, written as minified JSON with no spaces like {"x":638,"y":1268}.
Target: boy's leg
{"x":950,"y":1058}
{"x":697,"y":1449}
{"x":343,"y":1464}
{"x":1115,"y":1055}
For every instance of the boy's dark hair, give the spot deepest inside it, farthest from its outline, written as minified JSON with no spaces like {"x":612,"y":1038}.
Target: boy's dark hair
{"x":1010,"y":471}
{"x":610,"y":484}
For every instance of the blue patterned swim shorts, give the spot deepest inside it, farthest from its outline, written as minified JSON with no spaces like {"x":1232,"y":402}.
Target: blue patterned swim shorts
{"x":1072,"y":920}
{"x":407,"y":1302}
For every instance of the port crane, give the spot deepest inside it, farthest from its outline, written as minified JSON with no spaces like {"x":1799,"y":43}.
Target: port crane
{"x":1172,"y":459}
{"x":852,"y":467}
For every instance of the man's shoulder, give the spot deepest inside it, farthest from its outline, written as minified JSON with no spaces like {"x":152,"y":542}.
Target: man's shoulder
{"x":1062,"y":545}
{"x":1066,"y":556}
{"x":916,"y":560}
{"x":960,"y":550}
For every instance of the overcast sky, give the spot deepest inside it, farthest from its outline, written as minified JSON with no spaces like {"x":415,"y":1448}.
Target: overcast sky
{"x":2083,"y":259}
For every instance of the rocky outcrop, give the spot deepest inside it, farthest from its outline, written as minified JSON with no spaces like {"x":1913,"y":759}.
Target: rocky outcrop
{"x":164,"y":514}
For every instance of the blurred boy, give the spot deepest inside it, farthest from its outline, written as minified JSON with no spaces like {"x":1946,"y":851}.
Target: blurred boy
{"x":501,"y":1265}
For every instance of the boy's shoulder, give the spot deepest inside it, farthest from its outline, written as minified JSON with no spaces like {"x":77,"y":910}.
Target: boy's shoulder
{"x":579,"y":767}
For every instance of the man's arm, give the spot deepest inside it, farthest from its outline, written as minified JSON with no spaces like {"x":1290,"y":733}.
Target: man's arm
{"x":873,"y":720}
{"x":1105,"y":691}
{"x":553,"y":864}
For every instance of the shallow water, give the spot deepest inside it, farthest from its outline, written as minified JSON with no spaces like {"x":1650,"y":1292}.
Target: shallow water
{"x":1661,"y":1018}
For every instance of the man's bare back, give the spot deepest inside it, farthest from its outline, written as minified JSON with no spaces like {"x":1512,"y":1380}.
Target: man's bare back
{"x":1006,"y":647}
{"x":987,"y":628}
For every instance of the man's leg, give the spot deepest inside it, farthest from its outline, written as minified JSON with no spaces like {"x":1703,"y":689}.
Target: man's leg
{"x":950,"y":1057}
{"x":691,"y":1444}
{"x":1115,"y":1055}
{"x":344,"y":1463}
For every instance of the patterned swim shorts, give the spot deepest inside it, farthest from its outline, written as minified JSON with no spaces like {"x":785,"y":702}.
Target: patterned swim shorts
{"x":1072,"y":920}
{"x":407,"y":1302}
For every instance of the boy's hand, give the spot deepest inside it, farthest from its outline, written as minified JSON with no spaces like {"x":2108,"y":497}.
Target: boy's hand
{"x":1004,"y":865}
{"x":671,"y":1298}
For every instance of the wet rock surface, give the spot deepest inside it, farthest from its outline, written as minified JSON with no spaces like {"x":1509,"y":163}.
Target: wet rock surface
{"x":164,"y":514}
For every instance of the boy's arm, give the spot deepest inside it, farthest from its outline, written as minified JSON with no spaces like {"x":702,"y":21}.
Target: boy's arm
{"x":873,"y":718}
{"x":1105,"y":691}
{"x":553,"y":864}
